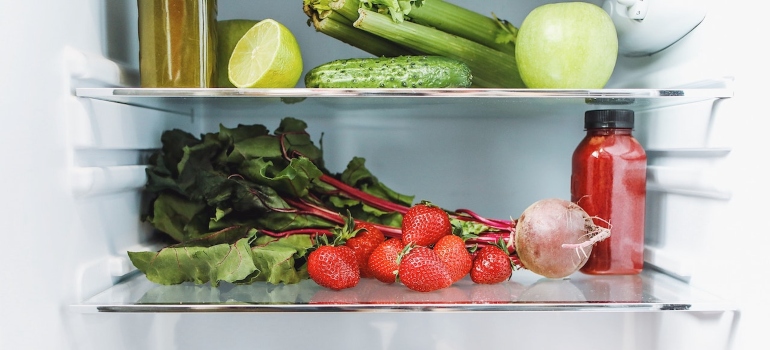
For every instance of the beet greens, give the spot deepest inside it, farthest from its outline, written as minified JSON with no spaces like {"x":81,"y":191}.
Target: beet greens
{"x":243,"y":205}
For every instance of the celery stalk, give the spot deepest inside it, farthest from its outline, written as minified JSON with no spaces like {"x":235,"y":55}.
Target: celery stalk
{"x":490,"y":68}
{"x":465,"y":23}
{"x":347,"y":8}
{"x":336,"y":27}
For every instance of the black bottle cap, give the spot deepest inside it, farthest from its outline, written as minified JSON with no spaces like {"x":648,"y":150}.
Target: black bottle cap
{"x":609,"y":119}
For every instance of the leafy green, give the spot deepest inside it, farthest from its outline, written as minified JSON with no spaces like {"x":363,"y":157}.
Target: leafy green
{"x":397,"y":9}
{"x":276,"y":259}
{"x":357,"y":175}
{"x":226,"y":198}
{"x":221,"y":262}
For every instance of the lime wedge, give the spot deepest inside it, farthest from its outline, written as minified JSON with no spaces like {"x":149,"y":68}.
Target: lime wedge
{"x":267,"y":56}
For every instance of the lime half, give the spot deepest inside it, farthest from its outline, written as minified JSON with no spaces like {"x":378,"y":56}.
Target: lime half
{"x":228,"y":33}
{"x":267,"y":56}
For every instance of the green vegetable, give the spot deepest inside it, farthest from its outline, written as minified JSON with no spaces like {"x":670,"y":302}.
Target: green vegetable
{"x":243,"y":203}
{"x":491,"y":68}
{"x":428,"y":27}
{"x":453,"y":19}
{"x":397,"y":72}
{"x":339,"y":27}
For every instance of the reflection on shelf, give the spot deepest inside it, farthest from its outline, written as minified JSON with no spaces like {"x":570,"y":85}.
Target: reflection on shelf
{"x":479,"y":102}
{"x":524,"y":292}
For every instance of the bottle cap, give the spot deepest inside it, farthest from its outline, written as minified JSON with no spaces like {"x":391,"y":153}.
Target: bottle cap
{"x":609,"y":119}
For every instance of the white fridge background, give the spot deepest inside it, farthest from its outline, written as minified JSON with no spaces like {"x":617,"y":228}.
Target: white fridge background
{"x":71,"y":194}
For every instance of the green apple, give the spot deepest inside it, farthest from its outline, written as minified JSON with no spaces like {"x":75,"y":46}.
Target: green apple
{"x":568,"y":45}
{"x":228,"y":33}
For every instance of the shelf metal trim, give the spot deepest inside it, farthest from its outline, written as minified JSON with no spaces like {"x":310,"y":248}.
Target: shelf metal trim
{"x":521,"y":307}
{"x":424,"y":92}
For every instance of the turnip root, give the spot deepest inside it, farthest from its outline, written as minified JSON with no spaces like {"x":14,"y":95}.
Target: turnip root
{"x":554,"y":237}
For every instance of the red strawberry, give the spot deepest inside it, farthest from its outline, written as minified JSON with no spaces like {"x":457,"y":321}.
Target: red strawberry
{"x":423,"y":224}
{"x":333,"y":267}
{"x":491,"y":265}
{"x":364,"y":242}
{"x":383,"y":262}
{"x":422,"y":270}
{"x":451,"y":250}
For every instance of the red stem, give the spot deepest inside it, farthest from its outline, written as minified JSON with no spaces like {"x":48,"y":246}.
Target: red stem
{"x":386,"y":205}
{"x":369,"y":199}
{"x":506,"y":227}
{"x":335,"y":217}
{"x":299,"y":231}
{"x":493,"y":223}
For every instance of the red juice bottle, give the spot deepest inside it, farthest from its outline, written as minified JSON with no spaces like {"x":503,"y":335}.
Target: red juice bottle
{"x":609,"y":175}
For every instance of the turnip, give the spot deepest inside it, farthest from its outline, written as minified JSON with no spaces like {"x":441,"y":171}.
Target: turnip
{"x":554,"y":237}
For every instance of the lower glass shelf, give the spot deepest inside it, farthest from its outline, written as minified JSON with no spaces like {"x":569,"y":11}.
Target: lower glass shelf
{"x":649,"y":291}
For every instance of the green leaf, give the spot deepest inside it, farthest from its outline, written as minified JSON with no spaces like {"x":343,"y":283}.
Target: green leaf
{"x":357,"y":175}
{"x":210,"y":186}
{"x":241,"y":132}
{"x":391,"y":7}
{"x":215,"y":264}
{"x":283,"y":221}
{"x":196,"y":160}
{"x":159,"y":177}
{"x":318,"y":5}
{"x":178,"y":217}
{"x":221,"y":235}
{"x":295,"y":179}
{"x":174,"y":142}
{"x":467,"y":229}
{"x":275,"y":259}
{"x":256,"y":147}
{"x":296,"y":141}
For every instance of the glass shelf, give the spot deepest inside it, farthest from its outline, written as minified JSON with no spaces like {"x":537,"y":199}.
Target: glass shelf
{"x":460,"y":101}
{"x":649,"y":291}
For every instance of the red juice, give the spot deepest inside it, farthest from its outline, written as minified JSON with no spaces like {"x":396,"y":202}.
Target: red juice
{"x":609,"y":175}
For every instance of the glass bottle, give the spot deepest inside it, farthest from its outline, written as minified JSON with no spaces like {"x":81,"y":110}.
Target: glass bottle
{"x":177,"y":43}
{"x":609,"y":175}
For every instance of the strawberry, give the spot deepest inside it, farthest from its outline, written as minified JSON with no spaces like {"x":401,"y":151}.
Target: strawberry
{"x":491,"y":265}
{"x":451,"y":250}
{"x":422,"y":270}
{"x":423,"y":224}
{"x":333,"y":267}
{"x":383,"y":262}
{"x":367,"y":237}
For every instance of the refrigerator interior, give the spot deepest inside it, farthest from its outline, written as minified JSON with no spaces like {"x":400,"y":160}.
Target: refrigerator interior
{"x":75,"y":172}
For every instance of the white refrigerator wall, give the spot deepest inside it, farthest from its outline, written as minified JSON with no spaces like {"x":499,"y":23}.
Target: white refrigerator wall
{"x":713,"y":223}
{"x":73,"y":175}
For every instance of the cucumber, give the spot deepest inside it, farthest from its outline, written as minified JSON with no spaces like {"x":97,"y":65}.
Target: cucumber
{"x":390,"y":72}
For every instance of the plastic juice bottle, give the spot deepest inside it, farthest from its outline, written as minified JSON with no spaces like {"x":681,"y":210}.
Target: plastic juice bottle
{"x":609,"y":174}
